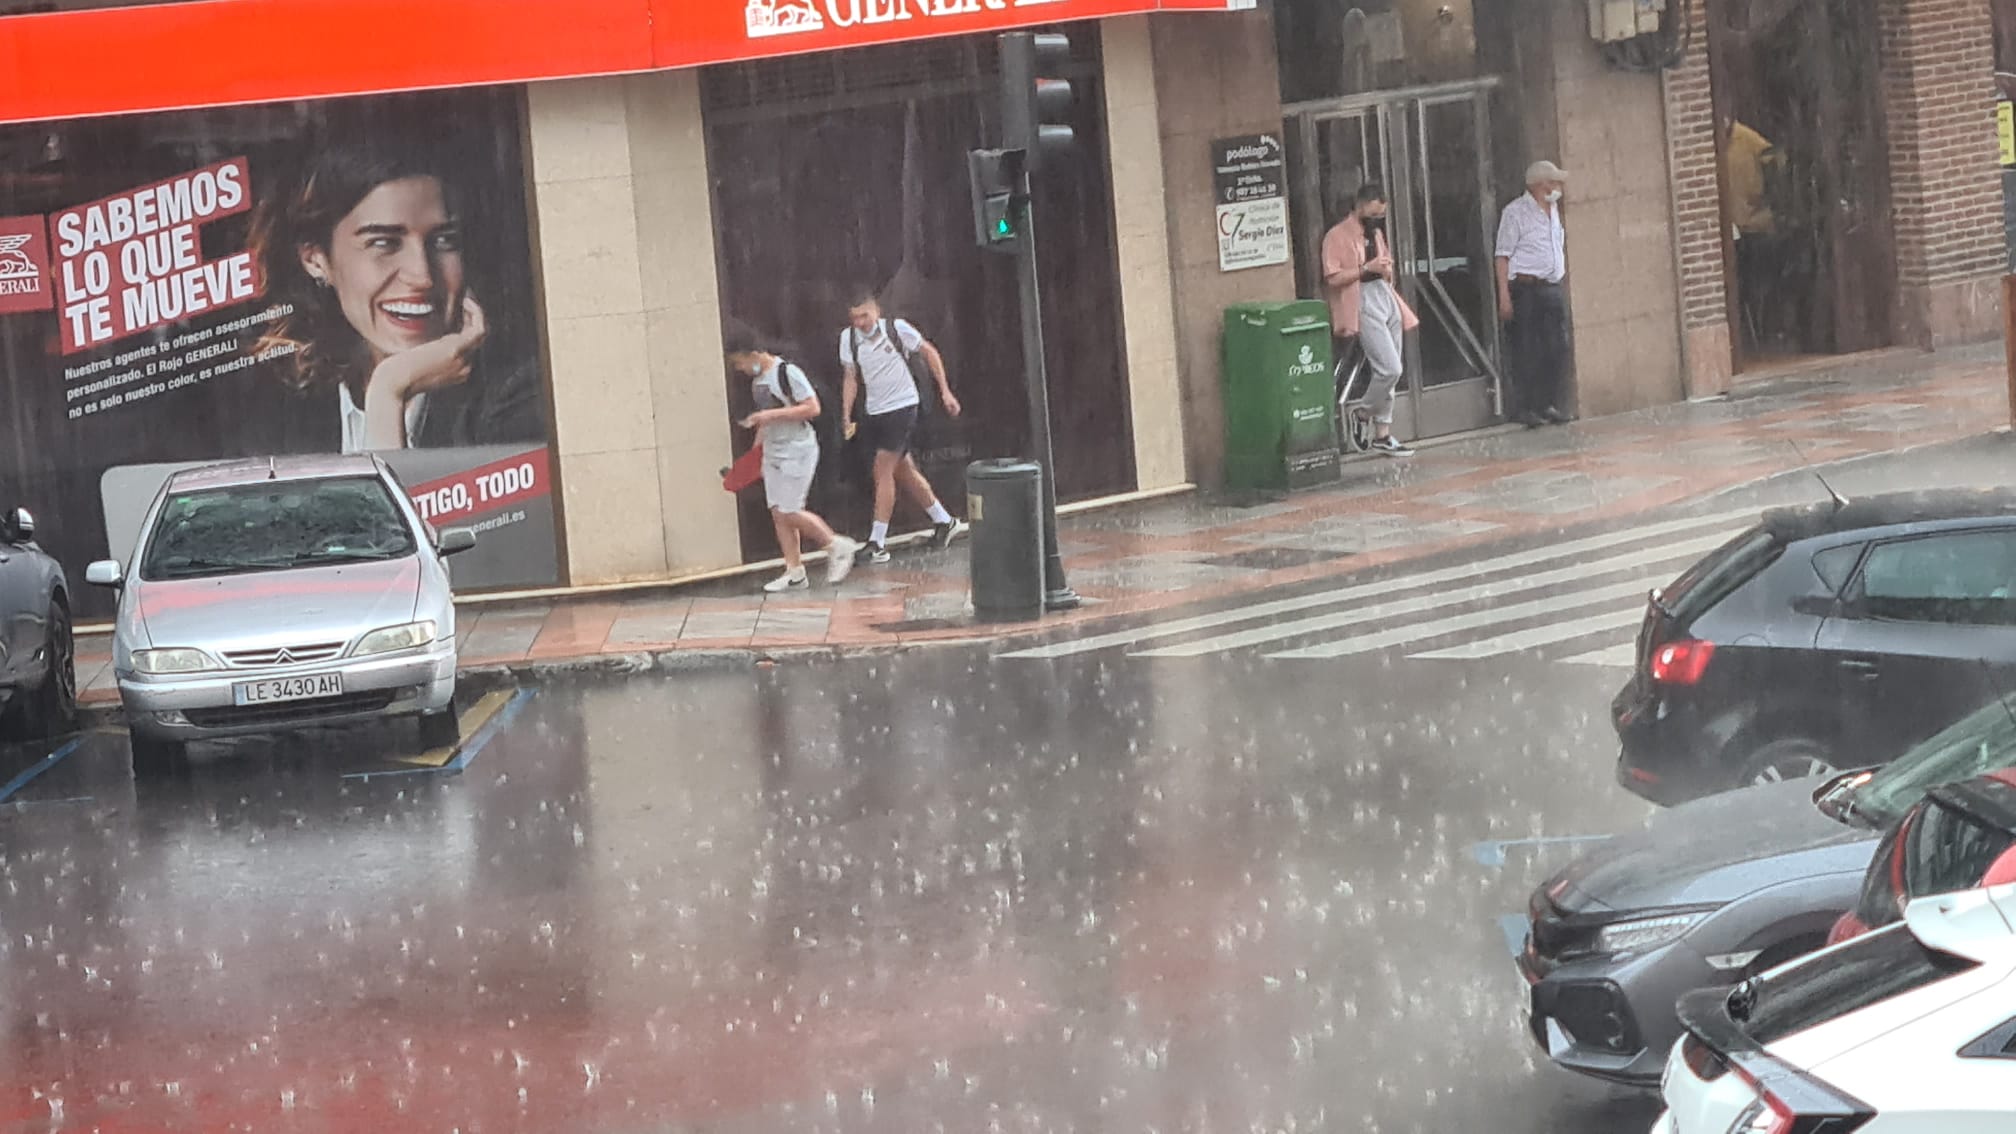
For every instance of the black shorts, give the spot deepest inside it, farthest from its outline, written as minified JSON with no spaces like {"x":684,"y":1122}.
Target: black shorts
{"x":890,"y":432}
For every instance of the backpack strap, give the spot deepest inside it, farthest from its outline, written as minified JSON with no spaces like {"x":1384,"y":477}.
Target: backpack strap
{"x":895,"y":340}
{"x":784,"y":381}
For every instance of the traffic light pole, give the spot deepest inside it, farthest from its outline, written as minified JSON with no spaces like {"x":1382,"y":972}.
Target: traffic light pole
{"x":1057,"y":594}
{"x":1028,"y":99}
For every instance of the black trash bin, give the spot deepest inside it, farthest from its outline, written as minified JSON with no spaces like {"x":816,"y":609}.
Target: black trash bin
{"x":1004,"y":504}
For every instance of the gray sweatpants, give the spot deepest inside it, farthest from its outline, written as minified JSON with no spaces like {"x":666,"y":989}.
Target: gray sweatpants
{"x":1380,"y":335}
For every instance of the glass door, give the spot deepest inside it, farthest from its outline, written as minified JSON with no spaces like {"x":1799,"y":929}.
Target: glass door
{"x":1451,"y":276}
{"x":1428,"y":148}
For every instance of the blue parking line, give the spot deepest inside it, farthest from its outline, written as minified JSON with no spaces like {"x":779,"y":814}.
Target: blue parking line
{"x":25,"y":804}
{"x":1514,"y":928}
{"x":46,"y":763}
{"x":469,"y":750}
{"x":1493,"y":853}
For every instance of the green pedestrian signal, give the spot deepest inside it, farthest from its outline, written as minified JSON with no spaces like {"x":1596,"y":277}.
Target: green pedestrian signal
{"x":1000,"y":198}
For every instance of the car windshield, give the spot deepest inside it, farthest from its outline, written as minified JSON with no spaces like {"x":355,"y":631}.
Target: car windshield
{"x":1950,"y":850}
{"x":275,"y":525}
{"x":1983,"y":741}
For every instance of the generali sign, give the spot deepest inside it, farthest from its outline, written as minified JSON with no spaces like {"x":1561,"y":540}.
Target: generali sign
{"x":746,"y":29}
{"x":251,"y":49}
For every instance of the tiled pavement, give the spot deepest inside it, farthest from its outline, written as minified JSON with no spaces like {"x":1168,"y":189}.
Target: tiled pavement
{"x":1149,"y":556}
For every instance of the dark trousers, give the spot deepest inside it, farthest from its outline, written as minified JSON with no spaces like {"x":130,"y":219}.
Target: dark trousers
{"x":1537,"y":379}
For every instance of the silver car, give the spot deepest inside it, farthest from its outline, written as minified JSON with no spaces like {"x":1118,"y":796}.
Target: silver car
{"x":280,"y":594}
{"x":1716,"y":891}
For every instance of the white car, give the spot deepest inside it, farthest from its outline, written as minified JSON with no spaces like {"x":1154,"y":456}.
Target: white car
{"x":1909,"y":1030}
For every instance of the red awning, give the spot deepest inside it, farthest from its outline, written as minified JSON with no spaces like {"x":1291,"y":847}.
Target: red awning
{"x":220,"y":52}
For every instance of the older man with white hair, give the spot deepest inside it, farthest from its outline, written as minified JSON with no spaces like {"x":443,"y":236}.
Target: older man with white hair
{"x":1532,"y":262}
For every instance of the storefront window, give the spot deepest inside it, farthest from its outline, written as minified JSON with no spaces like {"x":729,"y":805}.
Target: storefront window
{"x":1333,"y":48}
{"x":847,"y":170}
{"x":350,"y":275}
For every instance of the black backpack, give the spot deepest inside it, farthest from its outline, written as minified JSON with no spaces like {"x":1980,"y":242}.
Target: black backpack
{"x":826,"y":427}
{"x":920,"y":370}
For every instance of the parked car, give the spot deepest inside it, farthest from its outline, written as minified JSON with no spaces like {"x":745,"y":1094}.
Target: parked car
{"x":1909,"y":1030}
{"x":1957,"y":838}
{"x":1716,"y":890}
{"x":276,"y":594}
{"x":38,"y":654}
{"x":1826,"y":637}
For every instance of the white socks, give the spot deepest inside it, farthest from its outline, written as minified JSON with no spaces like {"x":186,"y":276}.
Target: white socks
{"x":879,"y":534}
{"x":938,"y":513}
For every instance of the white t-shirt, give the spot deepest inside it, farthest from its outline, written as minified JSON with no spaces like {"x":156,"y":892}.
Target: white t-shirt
{"x":783,"y":439}
{"x":884,"y":371}
{"x":354,"y":429}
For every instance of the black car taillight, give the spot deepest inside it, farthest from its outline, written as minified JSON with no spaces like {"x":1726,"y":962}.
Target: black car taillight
{"x":1681,"y":663}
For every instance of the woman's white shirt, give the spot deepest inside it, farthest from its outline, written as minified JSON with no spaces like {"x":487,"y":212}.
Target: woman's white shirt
{"x":355,"y":428}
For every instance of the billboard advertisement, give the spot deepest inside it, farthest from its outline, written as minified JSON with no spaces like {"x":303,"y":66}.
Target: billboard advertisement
{"x":337,"y":276}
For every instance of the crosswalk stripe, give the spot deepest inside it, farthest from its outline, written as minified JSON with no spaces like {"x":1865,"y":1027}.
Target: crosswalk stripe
{"x":1492,"y":616}
{"x":1403,"y":582}
{"x":1362,"y":616}
{"x":1620,"y":657}
{"x":1541,"y":635}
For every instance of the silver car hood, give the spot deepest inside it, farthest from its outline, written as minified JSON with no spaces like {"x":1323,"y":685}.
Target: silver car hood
{"x":1713,"y":851}
{"x":305,"y":606}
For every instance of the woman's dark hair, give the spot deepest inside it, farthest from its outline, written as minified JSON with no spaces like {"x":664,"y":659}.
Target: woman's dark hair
{"x":337,"y":175}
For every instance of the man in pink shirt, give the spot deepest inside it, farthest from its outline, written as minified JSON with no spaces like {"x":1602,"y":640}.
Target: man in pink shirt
{"x":1359,"y":280}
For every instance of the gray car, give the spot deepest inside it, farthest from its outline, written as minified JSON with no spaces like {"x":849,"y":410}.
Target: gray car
{"x":1715,"y":891}
{"x":283,"y":593}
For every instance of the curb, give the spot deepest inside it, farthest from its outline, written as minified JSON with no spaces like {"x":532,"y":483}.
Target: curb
{"x":96,"y":714}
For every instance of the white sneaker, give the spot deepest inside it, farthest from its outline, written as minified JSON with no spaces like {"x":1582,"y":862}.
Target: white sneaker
{"x":840,"y":559}
{"x":788,"y":581}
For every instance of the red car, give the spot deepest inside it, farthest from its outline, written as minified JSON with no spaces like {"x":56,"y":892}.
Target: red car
{"x":1957,"y":838}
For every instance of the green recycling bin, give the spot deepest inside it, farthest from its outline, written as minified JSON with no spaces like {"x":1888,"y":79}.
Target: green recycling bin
{"x":1280,"y":417}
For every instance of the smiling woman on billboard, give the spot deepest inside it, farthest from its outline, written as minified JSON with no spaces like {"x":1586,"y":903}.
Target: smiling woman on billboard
{"x":367,"y":245}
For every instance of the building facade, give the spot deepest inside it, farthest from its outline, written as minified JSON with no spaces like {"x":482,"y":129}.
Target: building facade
{"x":615,"y":186}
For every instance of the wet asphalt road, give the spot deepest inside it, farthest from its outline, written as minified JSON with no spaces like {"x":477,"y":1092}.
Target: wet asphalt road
{"x":937,"y":891}
{"x":943,"y":891}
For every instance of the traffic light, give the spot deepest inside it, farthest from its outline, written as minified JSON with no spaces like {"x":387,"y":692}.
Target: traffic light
{"x":1035,"y":101}
{"x":1000,"y":197}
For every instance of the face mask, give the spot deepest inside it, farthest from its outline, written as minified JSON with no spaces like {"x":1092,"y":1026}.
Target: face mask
{"x":1553,"y":196}
{"x":1375,"y":224}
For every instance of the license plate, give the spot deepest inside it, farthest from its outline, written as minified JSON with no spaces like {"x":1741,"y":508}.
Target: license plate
{"x":304,"y":688}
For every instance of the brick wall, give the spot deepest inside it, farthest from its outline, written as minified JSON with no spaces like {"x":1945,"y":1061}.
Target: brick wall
{"x":1939,"y":96}
{"x":1697,"y":214}
{"x":1697,"y":202}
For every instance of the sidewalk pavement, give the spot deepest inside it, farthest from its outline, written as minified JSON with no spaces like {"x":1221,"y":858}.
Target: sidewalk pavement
{"x":1154,"y":555}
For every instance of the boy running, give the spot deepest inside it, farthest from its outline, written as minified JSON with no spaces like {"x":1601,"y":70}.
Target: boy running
{"x":875,"y":352}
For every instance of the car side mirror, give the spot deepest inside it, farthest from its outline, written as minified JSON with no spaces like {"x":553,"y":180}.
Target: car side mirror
{"x":105,"y":573}
{"x":20,"y":525}
{"x":455,"y":541}
{"x":1834,"y":787}
{"x":1816,"y":606}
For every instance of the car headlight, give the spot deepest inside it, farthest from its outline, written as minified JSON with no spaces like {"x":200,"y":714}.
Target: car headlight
{"x":411,"y":636}
{"x":173,"y":661}
{"x":1640,"y":934}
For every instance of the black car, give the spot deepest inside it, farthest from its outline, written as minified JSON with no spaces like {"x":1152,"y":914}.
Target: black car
{"x":38,"y":659}
{"x":1828,"y":636}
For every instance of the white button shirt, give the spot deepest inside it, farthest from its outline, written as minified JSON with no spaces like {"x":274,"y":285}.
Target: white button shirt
{"x":1531,"y":237}
{"x":355,"y":430}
